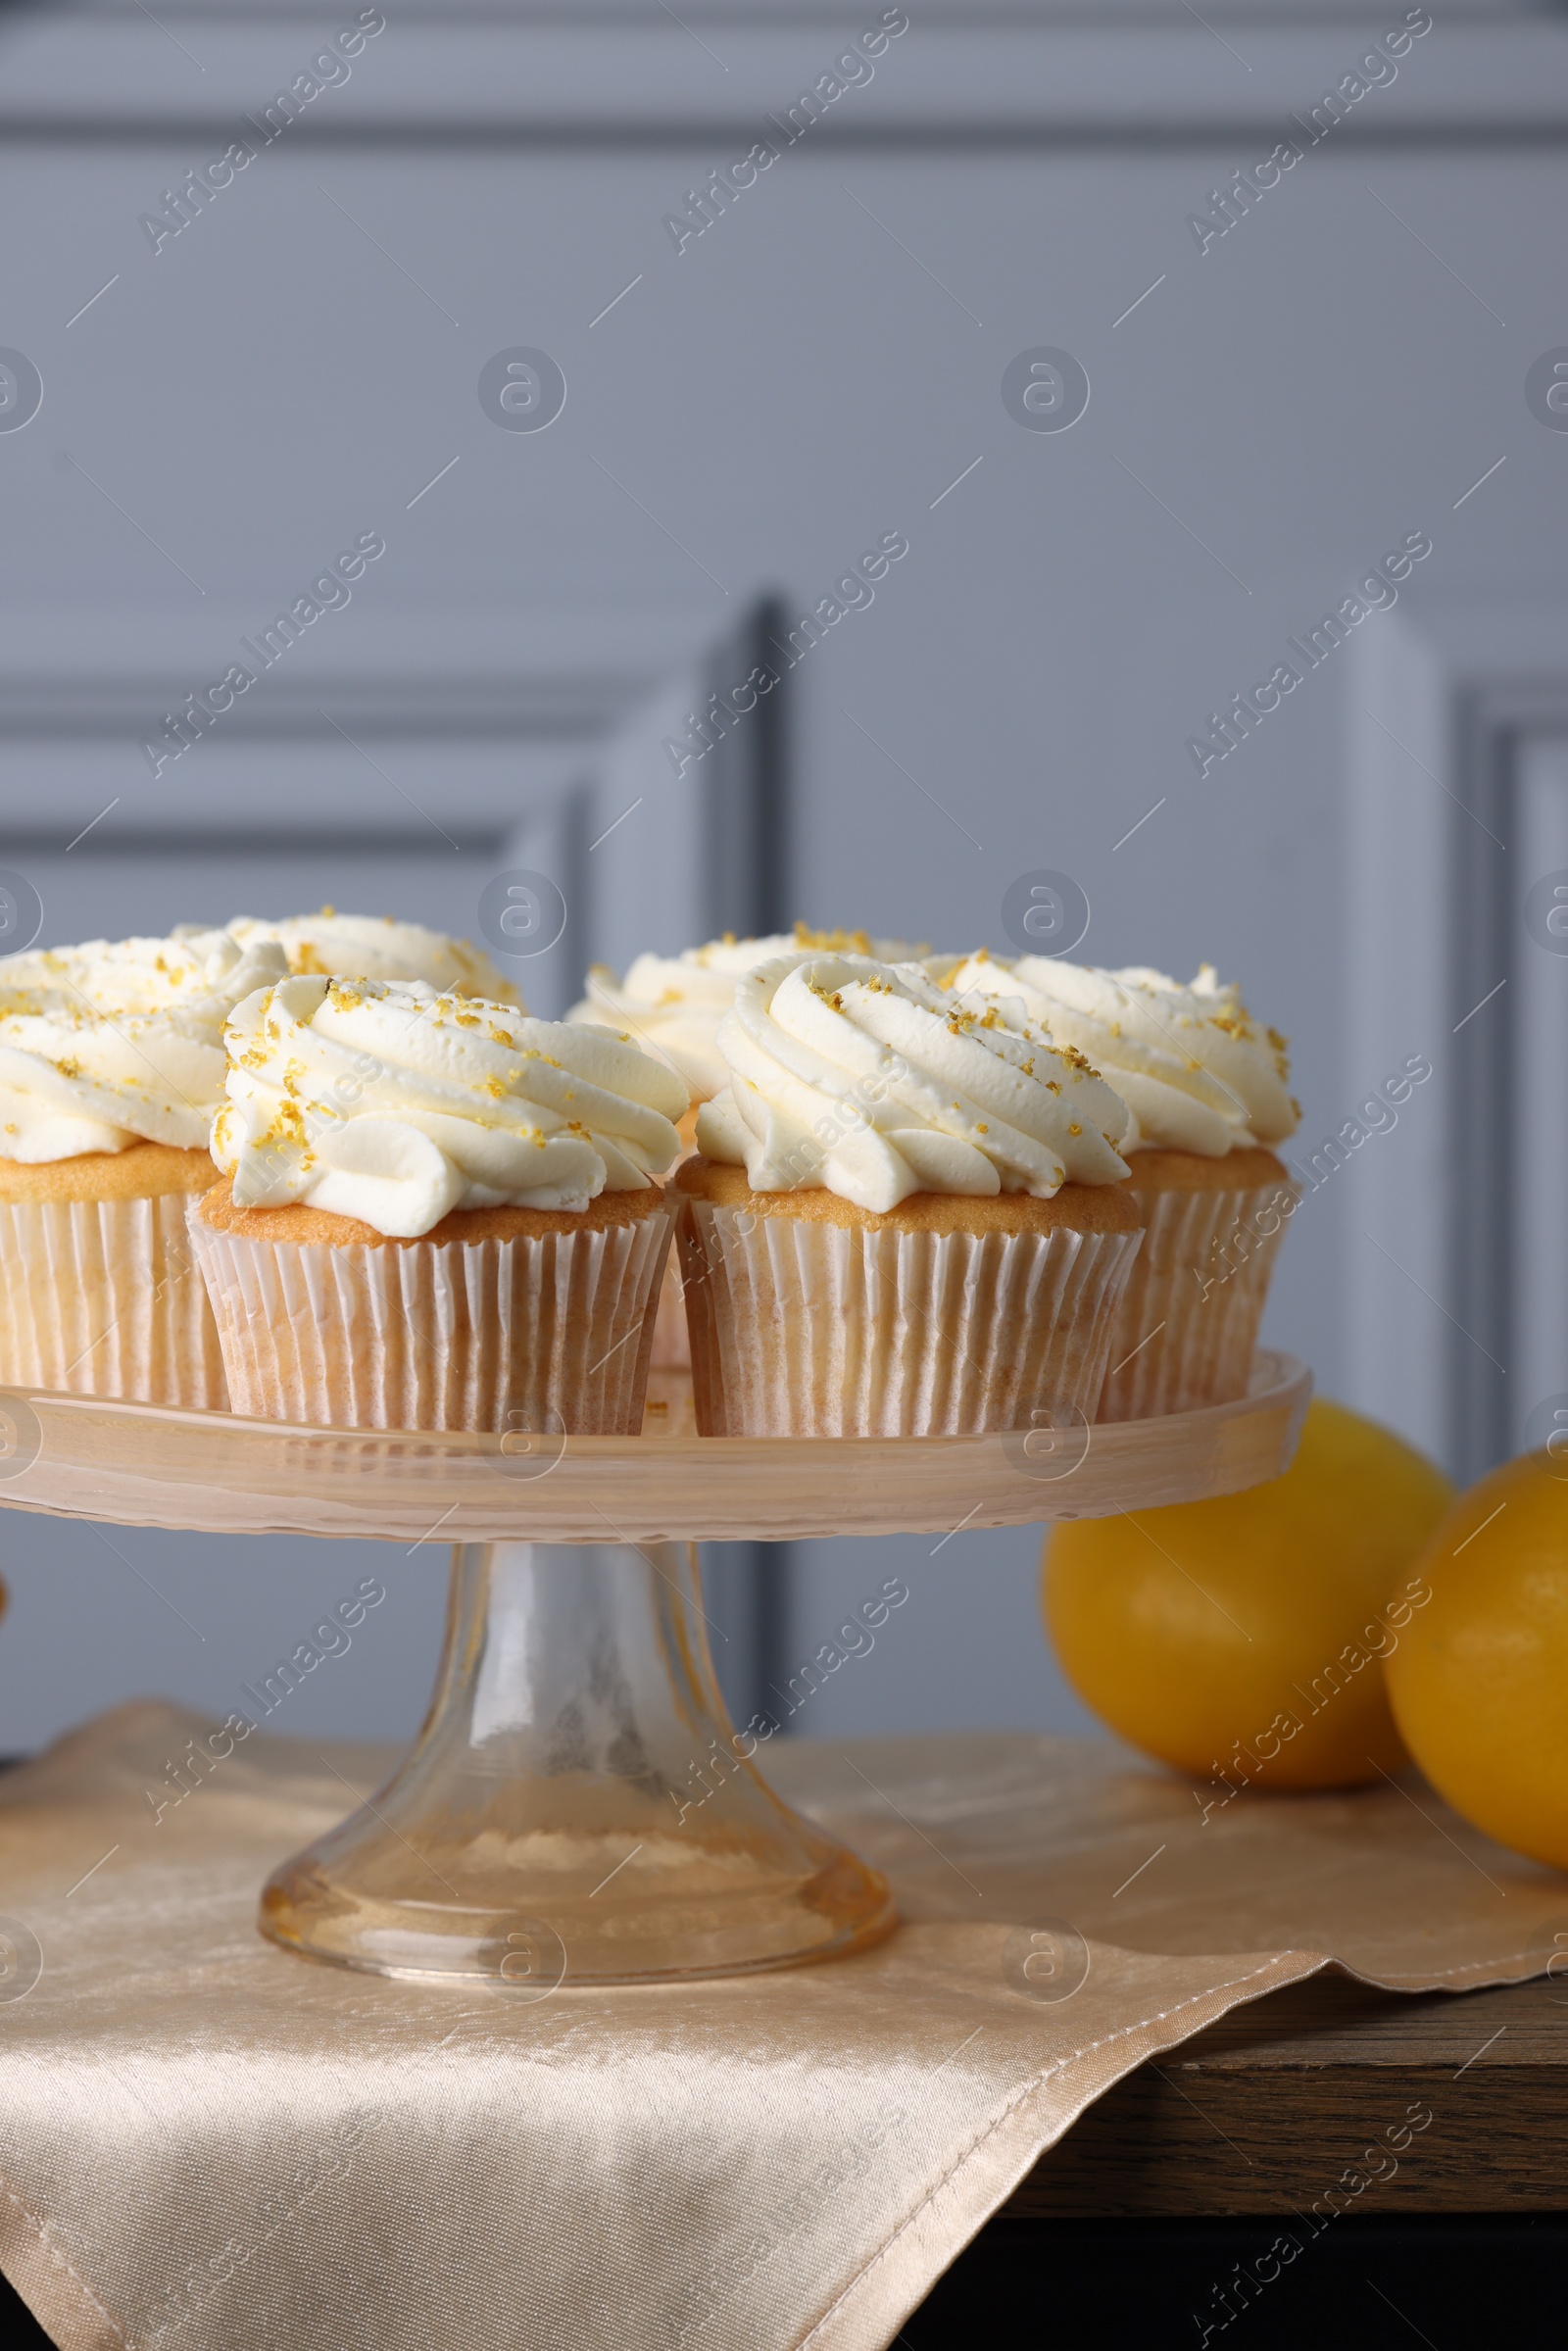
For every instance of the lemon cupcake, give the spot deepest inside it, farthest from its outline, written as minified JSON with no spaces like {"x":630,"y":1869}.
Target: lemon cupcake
{"x":112,"y":1066}
{"x":904,"y":1218}
{"x":672,"y":1005}
{"x":1210,"y":1092}
{"x":437,"y":1213}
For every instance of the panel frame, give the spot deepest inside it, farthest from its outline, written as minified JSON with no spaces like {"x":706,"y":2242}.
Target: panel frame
{"x":1440,"y":707}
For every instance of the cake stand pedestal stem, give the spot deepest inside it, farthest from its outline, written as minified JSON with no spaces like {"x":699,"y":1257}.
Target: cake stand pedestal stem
{"x":576,"y":1806}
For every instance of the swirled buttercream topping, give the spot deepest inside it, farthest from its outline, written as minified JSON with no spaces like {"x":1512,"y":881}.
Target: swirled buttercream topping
{"x":1197,"y":1070}
{"x":119,"y":1041}
{"x":867,"y":1079}
{"x":378,"y":946}
{"x":672,"y":1005}
{"x":383,"y":1101}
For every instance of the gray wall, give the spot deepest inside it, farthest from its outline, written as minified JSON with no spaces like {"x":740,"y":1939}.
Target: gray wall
{"x":811,"y":372}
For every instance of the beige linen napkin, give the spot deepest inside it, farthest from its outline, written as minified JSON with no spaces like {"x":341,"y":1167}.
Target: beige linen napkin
{"x":209,"y":2145}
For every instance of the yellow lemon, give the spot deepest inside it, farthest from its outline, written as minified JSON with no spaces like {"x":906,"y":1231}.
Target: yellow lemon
{"x":1480,"y":1681}
{"x":1239,"y":1639}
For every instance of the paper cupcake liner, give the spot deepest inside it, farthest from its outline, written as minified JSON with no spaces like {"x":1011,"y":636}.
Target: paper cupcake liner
{"x":103,"y":1297}
{"x":672,"y":1346}
{"x":1187,"y":1325}
{"x":800,"y":1329}
{"x":542,"y":1332}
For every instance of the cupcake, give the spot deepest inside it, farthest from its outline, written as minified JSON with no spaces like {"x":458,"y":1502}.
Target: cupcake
{"x":904,"y":1218}
{"x":672,"y":1005}
{"x":378,"y":946}
{"x":1209,"y":1089}
{"x":436,"y":1212}
{"x":112,"y":1066}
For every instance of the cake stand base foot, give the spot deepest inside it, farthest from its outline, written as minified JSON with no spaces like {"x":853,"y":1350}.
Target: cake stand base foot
{"x":576,"y":1807}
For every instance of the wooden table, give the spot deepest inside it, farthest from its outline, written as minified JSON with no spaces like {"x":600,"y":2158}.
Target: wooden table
{"x":1264,"y":2111}
{"x":1155,"y":2215}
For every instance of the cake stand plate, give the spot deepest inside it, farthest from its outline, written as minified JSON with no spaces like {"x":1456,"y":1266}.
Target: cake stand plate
{"x":137,"y":1465}
{"x":578,"y":1805}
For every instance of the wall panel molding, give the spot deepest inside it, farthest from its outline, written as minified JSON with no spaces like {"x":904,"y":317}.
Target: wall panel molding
{"x":950,"y":83}
{"x":1444,"y":708}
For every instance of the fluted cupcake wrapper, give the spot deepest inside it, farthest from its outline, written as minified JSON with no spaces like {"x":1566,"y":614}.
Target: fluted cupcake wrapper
{"x":1187,"y":1326}
{"x":672,"y":1346}
{"x":805,"y":1329}
{"x":548,"y":1332}
{"x":103,"y":1297}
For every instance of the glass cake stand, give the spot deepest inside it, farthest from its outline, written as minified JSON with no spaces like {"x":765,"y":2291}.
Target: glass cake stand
{"x":577,"y":1804}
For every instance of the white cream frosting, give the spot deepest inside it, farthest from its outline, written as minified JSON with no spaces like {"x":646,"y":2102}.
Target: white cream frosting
{"x":1197,"y":1070}
{"x":867,"y":1079}
{"x":376,"y":947}
{"x":119,"y":1040}
{"x":384,"y":1100}
{"x":672,"y":1005}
